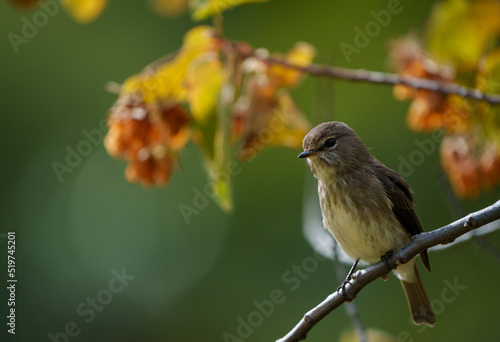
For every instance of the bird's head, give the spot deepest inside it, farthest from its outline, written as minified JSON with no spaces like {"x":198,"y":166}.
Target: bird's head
{"x":333,"y":148}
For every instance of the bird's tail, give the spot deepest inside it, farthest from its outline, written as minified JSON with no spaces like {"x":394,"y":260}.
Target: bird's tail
{"x":420,"y":307}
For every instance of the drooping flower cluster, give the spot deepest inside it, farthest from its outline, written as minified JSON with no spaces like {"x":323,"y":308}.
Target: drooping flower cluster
{"x":429,"y":110}
{"x":194,"y":94}
{"x":468,"y":172}
{"x":209,"y":92}
{"x":148,"y":136}
{"x":459,"y":48}
{"x":266,"y":114}
{"x":149,"y":124}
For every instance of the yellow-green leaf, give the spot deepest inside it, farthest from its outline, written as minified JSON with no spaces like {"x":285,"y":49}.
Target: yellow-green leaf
{"x":169,"y":79}
{"x":459,"y":31}
{"x":218,"y":166}
{"x":223,"y":192}
{"x":488,"y":76}
{"x":295,"y":124}
{"x":207,"y":8}
{"x":204,"y":80}
{"x":488,"y":81}
{"x":302,"y":55}
{"x":211,"y":136}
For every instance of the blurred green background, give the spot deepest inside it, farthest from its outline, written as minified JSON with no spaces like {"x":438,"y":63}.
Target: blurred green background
{"x":193,"y":281}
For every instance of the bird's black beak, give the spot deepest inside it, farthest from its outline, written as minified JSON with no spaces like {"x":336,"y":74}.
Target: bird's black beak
{"x":306,"y":154}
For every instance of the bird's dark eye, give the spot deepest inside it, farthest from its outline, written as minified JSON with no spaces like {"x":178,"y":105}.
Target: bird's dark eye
{"x":330,"y":142}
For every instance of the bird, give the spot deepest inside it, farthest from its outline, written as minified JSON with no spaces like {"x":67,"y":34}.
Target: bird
{"x":367,"y":207}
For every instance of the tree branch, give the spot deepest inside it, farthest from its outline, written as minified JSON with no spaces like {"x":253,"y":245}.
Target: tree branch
{"x":351,"y":309}
{"x":361,"y":75}
{"x":419,"y":243}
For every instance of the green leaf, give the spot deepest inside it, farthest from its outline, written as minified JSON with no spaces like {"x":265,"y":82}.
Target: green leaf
{"x":204,"y":80}
{"x":211,"y":136}
{"x":459,"y":31}
{"x":488,"y":81}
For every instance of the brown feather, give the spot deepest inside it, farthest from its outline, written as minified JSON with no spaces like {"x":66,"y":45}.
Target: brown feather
{"x":400,"y":194}
{"x":420,"y":307}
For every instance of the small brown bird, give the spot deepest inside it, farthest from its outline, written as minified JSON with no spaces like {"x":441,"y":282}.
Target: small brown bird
{"x":366,"y":206}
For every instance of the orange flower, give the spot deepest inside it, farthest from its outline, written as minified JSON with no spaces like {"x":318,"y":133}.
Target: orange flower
{"x":426,"y":112}
{"x":148,"y":125}
{"x":429,"y":110}
{"x":489,"y":166}
{"x":150,"y":171}
{"x":148,"y":136}
{"x":460,"y":166}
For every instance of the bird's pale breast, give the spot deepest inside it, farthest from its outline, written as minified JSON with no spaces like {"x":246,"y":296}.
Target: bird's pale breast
{"x":363,"y":225}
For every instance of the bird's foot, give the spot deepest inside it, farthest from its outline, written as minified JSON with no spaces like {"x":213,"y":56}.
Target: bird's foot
{"x":348,"y":281}
{"x":342,"y":290}
{"x":385,"y":259}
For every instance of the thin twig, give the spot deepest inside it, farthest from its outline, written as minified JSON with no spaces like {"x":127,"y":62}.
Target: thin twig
{"x":350,"y":308}
{"x":362,"y":278}
{"x":361,"y":75}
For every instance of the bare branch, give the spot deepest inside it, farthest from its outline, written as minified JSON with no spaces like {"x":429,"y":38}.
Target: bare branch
{"x":361,"y":75}
{"x":419,"y":243}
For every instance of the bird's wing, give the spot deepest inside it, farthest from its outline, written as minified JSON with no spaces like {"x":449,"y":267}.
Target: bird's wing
{"x":400,"y":194}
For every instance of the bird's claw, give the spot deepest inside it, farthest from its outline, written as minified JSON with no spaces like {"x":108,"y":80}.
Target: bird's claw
{"x":342,"y":287}
{"x":385,"y":259}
